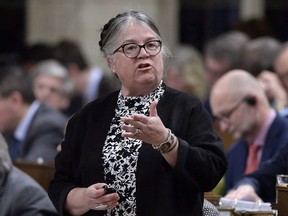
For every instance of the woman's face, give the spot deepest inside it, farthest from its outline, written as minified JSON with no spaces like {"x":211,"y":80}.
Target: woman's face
{"x":140,"y":75}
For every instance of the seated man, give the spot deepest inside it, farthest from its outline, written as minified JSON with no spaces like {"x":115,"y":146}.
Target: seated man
{"x":32,"y":129}
{"x":242,"y":108}
{"x":261,"y":183}
{"x":19,"y":193}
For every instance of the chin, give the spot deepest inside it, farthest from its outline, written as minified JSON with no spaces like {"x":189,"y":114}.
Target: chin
{"x":148,"y":79}
{"x":237,"y":135}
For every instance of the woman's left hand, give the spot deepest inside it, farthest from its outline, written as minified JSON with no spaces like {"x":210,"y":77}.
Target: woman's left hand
{"x":149,"y":129}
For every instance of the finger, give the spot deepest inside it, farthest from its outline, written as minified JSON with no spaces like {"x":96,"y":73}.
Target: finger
{"x":128,"y":128}
{"x":230,"y":195}
{"x":101,"y":207}
{"x":153,"y":108}
{"x":96,"y":190}
{"x":107,"y":201}
{"x":98,"y":186}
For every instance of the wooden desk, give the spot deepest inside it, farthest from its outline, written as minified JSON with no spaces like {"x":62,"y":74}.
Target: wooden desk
{"x":213,"y":198}
{"x":282,"y":200}
{"x":42,"y":173}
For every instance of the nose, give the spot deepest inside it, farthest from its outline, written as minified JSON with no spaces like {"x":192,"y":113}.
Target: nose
{"x":142,"y":53}
{"x":43,"y":93}
{"x":285,"y":82}
{"x":223,"y":126}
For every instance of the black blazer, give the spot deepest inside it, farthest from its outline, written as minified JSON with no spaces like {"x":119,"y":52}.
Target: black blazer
{"x":160,"y":190}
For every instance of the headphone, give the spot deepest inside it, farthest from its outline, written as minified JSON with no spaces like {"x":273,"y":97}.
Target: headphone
{"x":250,"y":100}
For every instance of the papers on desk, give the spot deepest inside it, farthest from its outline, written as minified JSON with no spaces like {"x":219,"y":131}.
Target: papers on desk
{"x":240,"y":205}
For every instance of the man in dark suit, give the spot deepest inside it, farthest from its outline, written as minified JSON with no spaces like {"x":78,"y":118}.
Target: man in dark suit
{"x":243,"y":109}
{"x":19,"y":193}
{"x":32,"y":130}
{"x":261,"y":183}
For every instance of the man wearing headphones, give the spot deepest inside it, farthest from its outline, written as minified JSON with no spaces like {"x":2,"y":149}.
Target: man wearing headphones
{"x":242,"y":109}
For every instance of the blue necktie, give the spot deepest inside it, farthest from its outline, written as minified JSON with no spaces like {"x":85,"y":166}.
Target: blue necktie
{"x":14,"y":148}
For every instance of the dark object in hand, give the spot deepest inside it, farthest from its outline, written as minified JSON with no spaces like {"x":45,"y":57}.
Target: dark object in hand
{"x":109,"y":190}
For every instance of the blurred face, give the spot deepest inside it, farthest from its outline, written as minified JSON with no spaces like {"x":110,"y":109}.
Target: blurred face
{"x":175,"y":80}
{"x":234,"y":116}
{"x":214,"y":70}
{"x":281,"y":67}
{"x":9,"y":111}
{"x":142,"y":74}
{"x":48,"y":90}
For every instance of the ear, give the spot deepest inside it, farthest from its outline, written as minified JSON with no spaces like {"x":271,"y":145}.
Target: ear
{"x":16,"y":97}
{"x":250,"y":100}
{"x":111,"y":63}
{"x":73,"y":70}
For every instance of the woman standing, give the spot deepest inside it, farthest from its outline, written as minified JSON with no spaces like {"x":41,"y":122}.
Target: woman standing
{"x":154,"y":145}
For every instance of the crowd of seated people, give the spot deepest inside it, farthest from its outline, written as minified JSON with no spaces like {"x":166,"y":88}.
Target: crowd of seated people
{"x":249,"y":102}
{"x":40,"y":90}
{"x":37,"y":97}
{"x":245,"y":112}
{"x":264,"y":60}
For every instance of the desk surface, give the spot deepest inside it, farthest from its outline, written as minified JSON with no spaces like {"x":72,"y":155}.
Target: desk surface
{"x":42,"y":173}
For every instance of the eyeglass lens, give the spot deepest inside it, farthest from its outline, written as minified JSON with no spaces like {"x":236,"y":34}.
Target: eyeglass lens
{"x":132,"y":50}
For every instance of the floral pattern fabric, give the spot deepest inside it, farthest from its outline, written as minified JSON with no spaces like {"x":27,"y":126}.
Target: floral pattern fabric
{"x":120,"y":155}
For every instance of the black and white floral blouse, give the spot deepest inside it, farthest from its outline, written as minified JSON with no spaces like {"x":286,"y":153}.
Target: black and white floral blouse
{"x":120,"y":154}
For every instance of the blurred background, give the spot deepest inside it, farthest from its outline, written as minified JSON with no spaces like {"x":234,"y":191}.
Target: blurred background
{"x":26,"y":22}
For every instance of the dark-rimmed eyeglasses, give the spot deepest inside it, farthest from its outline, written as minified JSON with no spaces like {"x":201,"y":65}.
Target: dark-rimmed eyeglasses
{"x":132,"y":50}
{"x":226,"y":116}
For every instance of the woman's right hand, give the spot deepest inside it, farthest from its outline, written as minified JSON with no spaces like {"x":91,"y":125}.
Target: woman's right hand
{"x":81,"y":200}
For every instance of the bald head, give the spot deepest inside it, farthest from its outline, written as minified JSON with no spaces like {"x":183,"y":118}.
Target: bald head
{"x":237,"y":83}
{"x":235,"y":86}
{"x":240,"y":104}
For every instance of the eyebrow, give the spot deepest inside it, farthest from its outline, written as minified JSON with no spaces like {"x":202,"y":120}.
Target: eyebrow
{"x":134,"y":41}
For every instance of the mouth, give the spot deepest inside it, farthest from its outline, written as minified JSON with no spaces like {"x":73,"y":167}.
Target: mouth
{"x":143,"y":66}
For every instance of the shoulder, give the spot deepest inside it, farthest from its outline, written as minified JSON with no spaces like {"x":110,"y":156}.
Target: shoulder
{"x":278,"y":130}
{"x":27,"y":194}
{"x":280,"y":122}
{"x":20,"y":182}
{"x":45,"y":112}
{"x":47,"y":117}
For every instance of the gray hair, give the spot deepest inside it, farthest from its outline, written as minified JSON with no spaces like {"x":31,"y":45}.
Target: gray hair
{"x":53,"y":68}
{"x":112,"y":30}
